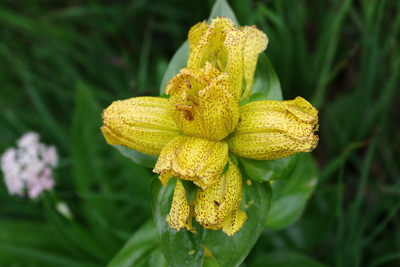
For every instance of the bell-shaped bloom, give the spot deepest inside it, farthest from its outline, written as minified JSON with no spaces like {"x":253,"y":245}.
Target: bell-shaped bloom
{"x":230,"y":50}
{"x":202,"y":103}
{"x":275,"y":129}
{"x":218,"y":206}
{"x":194,"y":130}
{"x":140,"y":123}
{"x":194,"y":159}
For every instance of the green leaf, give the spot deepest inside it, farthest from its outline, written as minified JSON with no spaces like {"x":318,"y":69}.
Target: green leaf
{"x":137,"y":157}
{"x":190,"y":189}
{"x":40,"y":256}
{"x":269,"y":170}
{"x":266,"y":81}
{"x":178,"y":247}
{"x":186,"y":247}
{"x":291,"y":196}
{"x":256,"y":203}
{"x":178,"y":62}
{"x":141,"y":249}
{"x":319,"y":214}
{"x":222,"y":8}
{"x":285,"y":258}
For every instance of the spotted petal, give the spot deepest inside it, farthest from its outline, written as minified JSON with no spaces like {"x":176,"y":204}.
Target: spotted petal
{"x":207,"y":43}
{"x":140,"y":123}
{"x":202,"y":103}
{"x":275,"y":129}
{"x":180,"y":214}
{"x":193,"y":159}
{"x":218,"y":206}
{"x":256,"y":42}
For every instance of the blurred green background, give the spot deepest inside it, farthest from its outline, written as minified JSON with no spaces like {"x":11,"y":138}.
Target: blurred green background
{"x":63,"y":62}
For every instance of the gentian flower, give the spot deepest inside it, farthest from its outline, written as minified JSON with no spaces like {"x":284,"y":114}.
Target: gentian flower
{"x":195,"y":131}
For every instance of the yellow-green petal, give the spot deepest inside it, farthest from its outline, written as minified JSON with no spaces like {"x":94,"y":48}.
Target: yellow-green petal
{"x":218,"y":206}
{"x":194,"y":159}
{"x":234,"y":222}
{"x":180,"y":213}
{"x":206,"y":206}
{"x":210,"y":46}
{"x":232,"y":190}
{"x":275,"y":129}
{"x":235,"y":45}
{"x":256,"y":43}
{"x":141,"y":123}
{"x":201,"y":103}
{"x":195,"y":34}
{"x":229,"y":50}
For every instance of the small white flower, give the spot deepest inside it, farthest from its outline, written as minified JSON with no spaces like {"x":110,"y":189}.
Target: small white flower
{"x":28,"y":140}
{"x":11,"y":170}
{"x":28,"y":168}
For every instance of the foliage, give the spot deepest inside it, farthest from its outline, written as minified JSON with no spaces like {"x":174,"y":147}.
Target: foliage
{"x":64,"y":61}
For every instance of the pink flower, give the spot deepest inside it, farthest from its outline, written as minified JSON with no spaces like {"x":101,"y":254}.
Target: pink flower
{"x":29,"y":166}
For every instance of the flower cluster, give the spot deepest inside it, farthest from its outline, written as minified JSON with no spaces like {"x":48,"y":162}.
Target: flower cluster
{"x":195,"y":131}
{"x":29,"y":166}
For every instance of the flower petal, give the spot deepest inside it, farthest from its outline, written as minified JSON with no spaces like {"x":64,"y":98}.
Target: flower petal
{"x":256,"y":43}
{"x":229,"y":50}
{"x":193,"y":159}
{"x":141,"y":123}
{"x":210,"y":46}
{"x":234,"y":43}
{"x":275,"y":129}
{"x":201,"y":103}
{"x":232,"y":186}
{"x":234,"y":222}
{"x":218,"y":206}
{"x":195,"y":34}
{"x":206,"y":206}
{"x":180,"y":213}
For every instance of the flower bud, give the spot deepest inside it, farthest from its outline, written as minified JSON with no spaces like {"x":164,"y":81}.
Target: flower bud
{"x":140,"y":123}
{"x":270,"y":130}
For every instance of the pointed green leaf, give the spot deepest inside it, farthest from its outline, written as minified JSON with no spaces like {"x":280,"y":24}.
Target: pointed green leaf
{"x":178,"y":62}
{"x":256,"y":203}
{"x":185,"y":247}
{"x":191,"y":190}
{"x":140,"y":250}
{"x":179,"y":248}
{"x":222,"y":8}
{"x":285,"y":258}
{"x":139,"y":158}
{"x":269,"y":170}
{"x":266,"y":81}
{"x":291,"y":196}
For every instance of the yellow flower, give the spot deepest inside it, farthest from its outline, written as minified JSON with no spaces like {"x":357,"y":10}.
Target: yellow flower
{"x":230,"y":50}
{"x":140,"y":123}
{"x":194,"y":130}
{"x":181,"y":212}
{"x":218,"y":206}
{"x":202,"y":103}
{"x":194,"y":159}
{"x":275,"y":129}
